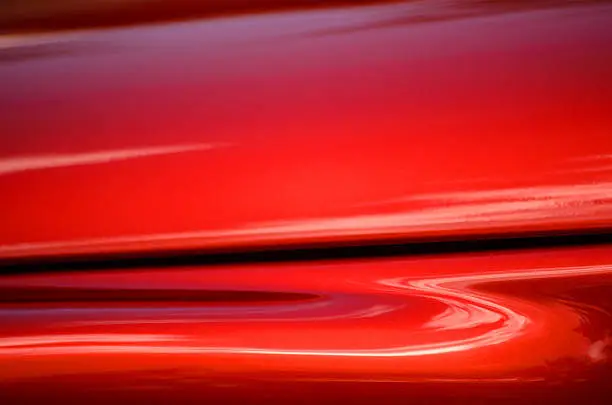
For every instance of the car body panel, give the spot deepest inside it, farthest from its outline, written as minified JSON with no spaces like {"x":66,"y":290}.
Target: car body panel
{"x":394,"y":121}
{"x":414,"y":122}
{"x":530,"y":326}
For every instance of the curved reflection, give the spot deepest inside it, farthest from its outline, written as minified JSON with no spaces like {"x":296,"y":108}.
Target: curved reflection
{"x":458,"y":317}
{"x":515,"y":318}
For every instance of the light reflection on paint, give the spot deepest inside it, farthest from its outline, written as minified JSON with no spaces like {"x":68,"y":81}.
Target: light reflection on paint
{"x":16,"y":164}
{"x":88,"y":338}
{"x":465,"y":211}
{"x":467,"y":309}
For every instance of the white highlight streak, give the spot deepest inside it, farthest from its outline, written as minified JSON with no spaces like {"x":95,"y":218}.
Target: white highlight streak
{"x":39,"y":162}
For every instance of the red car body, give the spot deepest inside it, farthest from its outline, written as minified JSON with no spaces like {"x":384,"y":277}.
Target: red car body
{"x":434,"y":126}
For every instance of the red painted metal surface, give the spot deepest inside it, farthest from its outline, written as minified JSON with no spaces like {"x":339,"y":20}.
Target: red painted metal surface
{"x":529,"y":327}
{"x":410,"y":120}
{"x":404,"y":121}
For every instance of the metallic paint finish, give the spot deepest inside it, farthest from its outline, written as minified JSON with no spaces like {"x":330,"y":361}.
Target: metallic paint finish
{"x":531,"y":326}
{"x":406,"y":120}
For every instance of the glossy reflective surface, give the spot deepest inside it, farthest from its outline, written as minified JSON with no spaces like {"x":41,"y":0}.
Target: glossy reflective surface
{"x":530,"y":326}
{"x":404,"y":120}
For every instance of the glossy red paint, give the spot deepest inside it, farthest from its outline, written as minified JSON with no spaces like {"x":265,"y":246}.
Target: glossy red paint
{"x":404,"y":121}
{"x":410,"y":120}
{"x":531,"y":326}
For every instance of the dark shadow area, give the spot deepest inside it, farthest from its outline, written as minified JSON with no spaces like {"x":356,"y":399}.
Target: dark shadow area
{"x":39,"y":295}
{"x":301,"y":253}
{"x":45,"y":15}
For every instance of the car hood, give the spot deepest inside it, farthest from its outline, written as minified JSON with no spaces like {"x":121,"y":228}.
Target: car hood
{"x":405,"y":121}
